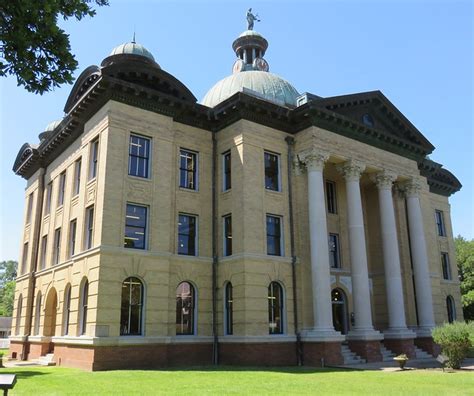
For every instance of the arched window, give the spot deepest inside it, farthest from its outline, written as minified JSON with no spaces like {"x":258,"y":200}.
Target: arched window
{"x":37,"y":314}
{"x":18,"y":315}
{"x":67,"y":309}
{"x":132,"y":303}
{"x":229,"y":309}
{"x":83,"y":307}
{"x":275,"y":308}
{"x":451,"y":309}
{"x":185,"y":309}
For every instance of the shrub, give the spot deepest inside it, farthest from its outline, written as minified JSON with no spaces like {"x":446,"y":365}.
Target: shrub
{"x":455,"y":340}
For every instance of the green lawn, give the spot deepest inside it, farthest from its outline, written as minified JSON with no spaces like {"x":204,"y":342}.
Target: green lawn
{"x":233,"y":381}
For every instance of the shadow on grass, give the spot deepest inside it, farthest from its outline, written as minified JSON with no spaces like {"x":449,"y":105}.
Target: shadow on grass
{"x":24,"y":374}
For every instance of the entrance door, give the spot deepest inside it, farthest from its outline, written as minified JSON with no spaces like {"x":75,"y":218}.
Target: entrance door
{"x":339,"y":311}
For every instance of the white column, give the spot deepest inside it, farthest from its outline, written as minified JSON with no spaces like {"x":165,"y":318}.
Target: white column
{"x":318,"y":233}
{"x":397,"y":327}
{"x":424,"y":298}
{"x":363,"y":328}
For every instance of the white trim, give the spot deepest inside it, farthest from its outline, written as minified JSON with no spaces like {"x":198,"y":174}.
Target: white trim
{"x":196,"y":237}
{"x":150,"y":156}
{"x":147,"y":225}
{"x":229,"y":339}
{"x":282,"y":235}
{"x":278,"y":155}
{"x":196,"y":173}
{"x":223,"y":155}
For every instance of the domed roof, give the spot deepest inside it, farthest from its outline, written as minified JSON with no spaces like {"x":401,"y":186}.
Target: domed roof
{"x":132,"y":48}
{"x":49,"y":128}
{"x":267,"y":85}
{"x":247,"y":33}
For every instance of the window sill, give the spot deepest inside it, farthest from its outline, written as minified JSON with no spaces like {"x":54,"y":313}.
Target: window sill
{"x":144,"y":179}
{"x":276,"y":192}
{"x":450,"y":282}
{"x":189,"y":190}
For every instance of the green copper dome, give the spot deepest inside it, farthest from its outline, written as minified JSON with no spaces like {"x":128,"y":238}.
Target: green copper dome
{"x":132,"y":49}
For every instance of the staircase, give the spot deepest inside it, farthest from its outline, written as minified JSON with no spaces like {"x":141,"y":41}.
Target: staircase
{"x":387,"y":354}
{"x":421,"y":354}
{"x":350,"y":357}
{"x":47,"y":360}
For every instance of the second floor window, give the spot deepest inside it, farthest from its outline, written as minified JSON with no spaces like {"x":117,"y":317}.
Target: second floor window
{"x":331,"y":196}
{"x":62,"y":188}
{"x":44,"y":246}
{"x":445,"y":266}
{"x":226,"y":164}
{"x":274,"y":236}
{"x":93,"y":158}
{"x":24,"y":258}
{"x":440,"y":223}
{"x":227,"y":235}
{"x":57,"y":246}
{"x":272,"y":171}
{"x":135,"y":227}
{"x":49,"y":193}
{"x":77,"y":176}
{"x":187,"y":235}
{"x":72,"y":237}
{"x":29,"y":208}
{"x":139,"y":156}
{"x":89,"y":234}
{"x":188,"y":169}
{"x":334,"y":259}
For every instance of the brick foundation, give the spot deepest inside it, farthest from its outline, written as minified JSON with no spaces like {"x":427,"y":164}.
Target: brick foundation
{"x":428,"y":345}
{"x":18,"y":350}
{"x":38,"y":349}
{"x":315,"y":353}
{"x":399,"y":346}
{"x":367,"y":349}
{"x":258,"y":354}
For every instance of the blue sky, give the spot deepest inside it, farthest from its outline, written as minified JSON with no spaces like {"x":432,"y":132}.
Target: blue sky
{"x":418,"y":53}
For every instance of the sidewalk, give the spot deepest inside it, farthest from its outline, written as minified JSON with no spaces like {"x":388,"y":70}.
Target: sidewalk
{"x":468,"y":364}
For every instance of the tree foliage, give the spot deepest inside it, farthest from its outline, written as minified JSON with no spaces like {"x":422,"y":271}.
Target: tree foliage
{"x":34,"y":48}
{"x":465,"y":258}
{"x":455,"y":340}
{"x":7,"y":286}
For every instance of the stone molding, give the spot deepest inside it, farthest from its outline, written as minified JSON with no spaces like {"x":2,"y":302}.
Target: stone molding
{"x":351,"y":170}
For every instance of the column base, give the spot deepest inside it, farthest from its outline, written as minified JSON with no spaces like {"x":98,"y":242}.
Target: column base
{"x":364,"y":335}
{"x":428,"y":345}
{"x":399,"y":333}
{"x":401,"y":345}
{"x":322,"y":335}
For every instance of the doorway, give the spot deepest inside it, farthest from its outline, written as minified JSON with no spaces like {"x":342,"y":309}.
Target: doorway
{"x":339,"y":311}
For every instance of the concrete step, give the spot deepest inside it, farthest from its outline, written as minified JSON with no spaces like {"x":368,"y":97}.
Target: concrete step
{"x":47,"y":360}
{"x":350,"y":358}
{"x":421,"y":354}
{"x":387,"y":354}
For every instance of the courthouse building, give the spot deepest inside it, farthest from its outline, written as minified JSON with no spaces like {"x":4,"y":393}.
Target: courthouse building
{"x":259,"y":226}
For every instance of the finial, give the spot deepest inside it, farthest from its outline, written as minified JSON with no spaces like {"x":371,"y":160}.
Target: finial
{"x":133,"y":40}
{"x":251,"y":18}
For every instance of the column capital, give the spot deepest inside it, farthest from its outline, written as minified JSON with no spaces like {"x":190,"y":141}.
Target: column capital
{"x":313,"y":159}
{"x":351,"y":170}
{"x":384,"y":180}
{"x":411,"y":188}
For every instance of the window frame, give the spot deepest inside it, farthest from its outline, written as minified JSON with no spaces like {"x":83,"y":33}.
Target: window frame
{"x":130,"y":307}
{"x":195,"y":171}
{"x":36,"y":327}
{"x":84,"y":305}
{"x":281,"y":240}
{"x":145,"y":229}
{"x":228,"y":309}
{"x":147,"y":160}
{"x":44,"y":247}
{"x":49,"y":195}
{"x":61,"y":189}
{"x":337,"y":252}
{"x":226,"y":172}
{"x":331,"y":204}
{"x":57,"y":246}
{"x":24,"y":258}
{"x":196,"y":234}
{"x":67,"y":309}
{"x":451,"y":308}
{"x":72,"y":238}
{"x":89,"y":228}
{"x":194,"y":310}
{"x":446,"y":266}
{"x":227,"y":238}
{"x":271,"y":308}
{"x":93,"y":159}
{"x":440,"y":224}
{"x":278,"y":156}
{"x":77,"y":176}
{"x":29,"y":208}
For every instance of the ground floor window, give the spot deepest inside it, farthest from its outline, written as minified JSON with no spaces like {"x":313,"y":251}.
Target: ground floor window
{"x":451,"y":309}
{"x":229,"y":309}
{"x":84,"y":306}
{"x":185,"y":307}
{"x":132,"y":303}
{"x":275,"y":308}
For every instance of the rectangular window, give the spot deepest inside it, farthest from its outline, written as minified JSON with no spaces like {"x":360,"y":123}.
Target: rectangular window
{"x":445,"y":266}
{"x":334,"y":255}
{"x":72,"y":237}
{"x":44,"y":246}
{"x":331,"y":196}
{"x":93,"y":158}
{"x":24,"y":258}
{"x":187,"y":235}
{"x":226,"y":164}
{"x":274,"y":236}
{"x":49,"y":193}
{"x":57,"y":246}
{"x":77,"y":176}
{"x":272,"y":171}
{"x":139,"y":156}
{"x":62,"y":188}
{"x":135,"y":227}
{"x":29,"y":209}
{"x":89,"y":234}
{"x":440,"y":223}
{"x":188,"y":169}
{"x":228,"y":235}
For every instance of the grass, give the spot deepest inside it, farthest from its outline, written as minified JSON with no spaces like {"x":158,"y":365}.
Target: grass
{"x":239,"y":381}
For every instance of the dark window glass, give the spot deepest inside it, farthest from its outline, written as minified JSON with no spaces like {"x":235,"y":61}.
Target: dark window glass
{"x":187,"y":235}
{"x":185,"y":309}
{"x":445,"y":266}
{"x":139,"y":156}
{"x":229,"y":309}
{"x":272,"y":177}
{"x":440,"y":223}
{"x":49,"y":192}
{"x":84,"y":305}
{"x":331,"y":196}
{"x":29,"y":208}
{"x":274,"y":236}
{"x":67,"y":309}
{"x":368,"y":120}
{"x":44,"y":246}
{"x":57,"y":246}
{"x":227,"y":235}
{"x":227,"y":171}
{"x":188,"y":170}
{"x":77,"y":176}
{"x":89,"y":236}
{"x":135,"y":227}
{"x":451,"y":309}
{"x":94,"y":155}
{"x":334,"y":259}
{"x":62,"y":188}
{"x":24,"y":258}
{"x":37,"y":314}
{"x":275,"y":308}
{"x":131,"y":312}
{"x":72,"y":238}
{"x":18,"y":315}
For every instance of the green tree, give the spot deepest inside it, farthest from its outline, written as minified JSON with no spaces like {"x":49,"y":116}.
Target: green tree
{"x":33,"y":47}
{"x":8,"y":270}
{"x":465,"y":258}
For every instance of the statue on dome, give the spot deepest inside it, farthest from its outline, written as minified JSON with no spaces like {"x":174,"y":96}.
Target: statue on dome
{"x":251,"y":18}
